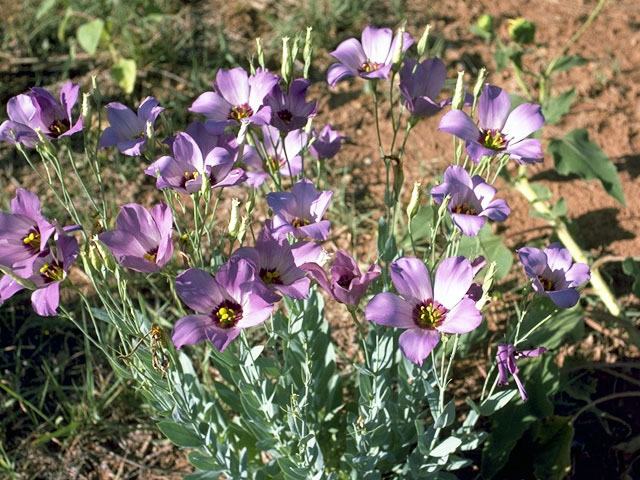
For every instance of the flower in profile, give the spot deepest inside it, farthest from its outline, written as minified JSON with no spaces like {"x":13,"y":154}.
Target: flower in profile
{"x":300,"y":211}
{"x":370,"y":59}
{"x":142,"y":238}
{"x":127,"y":130}
{"x":420,"y":85}
{"x":348,"y":285}
{"x":554,"y":274}
{"x":290,"y":111}
{"x":232,"y":300}
{"x":327,"y":143}
{"x":472,"y":199}
{"x":24,"y":233}
{"x":49,"y":270}
{"x":423,"y":310}
{"x":237,"y":97}
{"x":507,"y":356}
{"x":38,"y":109}
{"x":499,"y":132}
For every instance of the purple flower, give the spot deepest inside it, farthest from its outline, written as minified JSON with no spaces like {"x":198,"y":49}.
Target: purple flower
{"x":49,"y":270}
{"x":421,"y":87}
{"x":238,"y":97}
{"x":471,"y":200}
{"x":40,"y":109}
{"x":425,"y":311}
{"x":554,"y":274}
{"x":500,"y":132}
{"x":190,"y":161}
{"x":327,"y":143}
{"x":300,"y":211}
{"x":142,"y":238}
{"x":347,"y":284}
{"x":23,"y":234}
{"x":507,"y":356}
{"x":276,"y":266}
{"x":128,"y":131}
{"x":370,"y":59}
{"x":228,"y":302}
{"x":290,"y":111}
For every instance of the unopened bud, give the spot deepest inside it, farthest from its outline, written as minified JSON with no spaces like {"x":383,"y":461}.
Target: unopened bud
{"x":260,"y":51}
{"x":396,"y":59}
{"x":458,"y":96}
{"x":44,"y":142}
{"x":323,"y":258}
{"x":485,"y":23}
{"x":307,"y":52}
{"x":106,"y":258}
{"x":522,"y":31}
{"x":95,"y":90}
{"x":242,"y":229}
{"x":477,"y":89}
{"x":149,"y":130}
{"x":234,"y":220}
{"x":424,"y":40}
{"x":86,"y":106}
{"x":443,"y":206}
{"x":285,"y":71}
{"x":486,"y":286}
{"x":414,"y":201}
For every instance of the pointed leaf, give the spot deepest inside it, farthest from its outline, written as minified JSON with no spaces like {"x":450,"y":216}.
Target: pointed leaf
{"x":89,"y":35}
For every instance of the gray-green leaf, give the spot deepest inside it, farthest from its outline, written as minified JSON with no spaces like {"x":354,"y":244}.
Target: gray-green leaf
{"x":89,"y":35}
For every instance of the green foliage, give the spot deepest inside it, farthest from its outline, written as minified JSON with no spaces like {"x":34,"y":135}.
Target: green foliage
{"x":558,"y":106}
{"x":631,"y":267}
{"x":124,"y":73}
{"x":89,"y":35}
{"x":491,"y":246}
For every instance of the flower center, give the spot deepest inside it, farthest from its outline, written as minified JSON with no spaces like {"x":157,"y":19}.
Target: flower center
{"x":240,"y":111}
{"x":285,"y":115}
{"x":300,"y":222}
{"x":58,"y":127}
{"x":152,"y":255}
{"x":547,"y":283}
{"x":270,"y":276}
{"x":227,"y":314}
{"x":345,"y":280}
{"x":370,"y":66}
{"x":429,"y":314}
{"x":274,"y":164}
{"x":32,"y":241}
{"x":464,"y":209}
{"x":52,"y":272}
{"x":493,"y":139}
{"x":139,"y":135}
{"x":189,"y":176}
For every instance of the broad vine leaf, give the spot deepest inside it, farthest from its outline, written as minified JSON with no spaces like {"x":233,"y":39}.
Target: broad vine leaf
{"x":124,"y":73}
{"x":89,"y":35}
{"x":575,"y":153}
{"x":558,"y":106}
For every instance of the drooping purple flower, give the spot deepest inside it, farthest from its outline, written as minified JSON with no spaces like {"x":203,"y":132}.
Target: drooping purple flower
{"x":38,"y":109}
{"x":554,"y":274}
{"x":275,"y":264}
{"x":128,"y":131}
{"x":421,"y":84}
{"x":184,"y":170}
{"x":507,"y":356}
{"x":24,"y":233}
{"x":237,"y":97}
{"x":142,"y":238}
{"x":49,"y":270}
{"x":499,"y":132}
{"x":425,"y":311}
{"x":327,"y":143}
{"x":290,"y":111}
{"x":232,"y":300}
{"x":347,"y":284}
{"x":370,"y":59}
{"x":471,"y":200}
{"x":300,"y":211}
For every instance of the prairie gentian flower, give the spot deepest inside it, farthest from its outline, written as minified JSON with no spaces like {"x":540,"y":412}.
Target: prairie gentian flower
{"x":327,"y":143}
{"x":499,"y":132}
{"x":370,"y":59}
{"x":347,"y":284}
{"x":24,"y":233}
{"x":421,"y":84}
{"x":128,"y":131}
{"x":142,"y":238}
{"x":40,"y":109}
{"x":228,"y":302}
{"x":49,"y":270}
{"x":290,"y":111}
{"x":184,"y":170}
{"x":425,"y":311}
{"x":300,"y":211}
{"x":554,"y":274}
{"x":507,"y":356}
{"x":471,"y":200}
{"x":238,"y":97}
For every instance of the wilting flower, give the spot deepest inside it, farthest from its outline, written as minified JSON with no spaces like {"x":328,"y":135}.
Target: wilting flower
{"x":421,"y":84}
{"x":290,"y":111}
{"x":425,"y":311}
{"x":49,"y":270}
{"x":300,"y":211}
{"x":232,"y":300}
{"x":276,"y":266}
{"x":128,"y":131}
{"x":238,"y":97}
{"x":370,"y":59}
{"x":507,"y":356}
{"x":471,"y":200}
{"x":38,"y":109}
{"x":554,"y":274}
{"x":23,"y":233}
{"x":347,"y":284}
{"x":327,"y":143}
{"x":184,"y":170}
{"x":142,"y":238}
{"x":499,"y":132}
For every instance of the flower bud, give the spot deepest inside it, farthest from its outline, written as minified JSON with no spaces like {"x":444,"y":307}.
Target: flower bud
{"x":414,"y":201}
{"x":458,"y":96}
{"x":102,"y":255}
{"x":260,"y":50}
{"x":443,"y":206}
{"x":477,"y":89}
{"x":396,"y":59}
{"x":95,"y":90}
{"x":86,"y":106}
{"x":242,"y":229}
{"x":234,"y":220}
{"x":307,"y":52}
{"x":522,"y":31}
{"x":486,"y":286}
{"x":149,"y":130}
{"x":285,"y":71}
{"x":422,"y":44}
{"x":485,"y":23}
